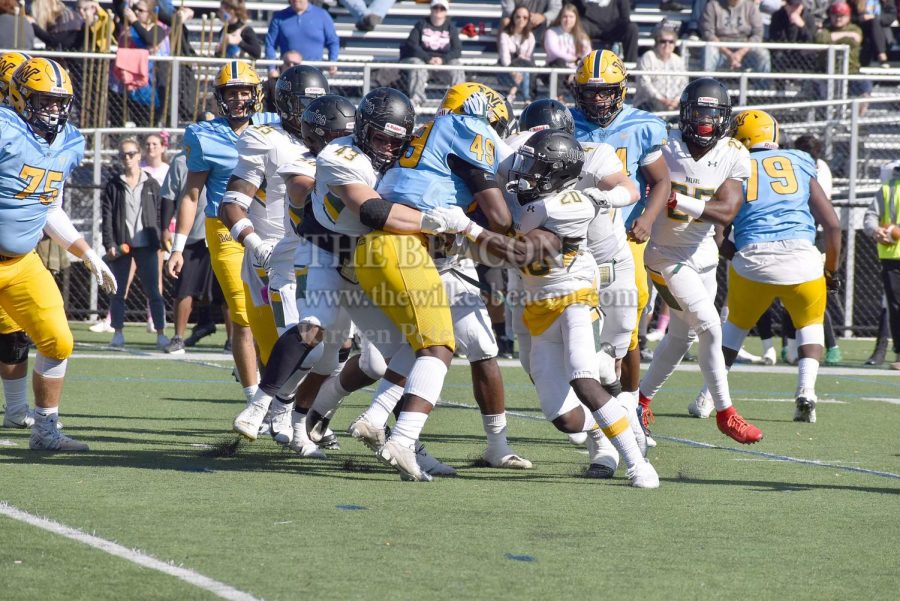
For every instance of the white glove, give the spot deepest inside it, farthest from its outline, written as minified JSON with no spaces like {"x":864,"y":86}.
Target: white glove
{"x":477,"y":105}
{"x":599,"y":197}
{"x":445,"y":220}
{"x":261,"y":249}
{"x":104,"y":276}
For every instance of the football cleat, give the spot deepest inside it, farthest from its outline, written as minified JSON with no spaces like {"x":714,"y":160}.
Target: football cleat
{"x":430,"y":464}
{"x":300,"y":442}
{"x":805,"y":407}
{"x":367,"y":433}
{"x":702,"y":406}
{"x":46,"y":436}
{"x":250,"y":420}
{"x":330,"y":441}
{"x":643,"y":475}
{"x":316,"y":425}
{"x":604,"y":457}
{"x":769,"y":357}
{"x":282,"y":430}
{"x":598,"y":471}
{"x":734,"y":426}
{"x":646,"y":417}
{"x":505,"y":458}
{"x":21,"y":420}
{"x":403,"y":459}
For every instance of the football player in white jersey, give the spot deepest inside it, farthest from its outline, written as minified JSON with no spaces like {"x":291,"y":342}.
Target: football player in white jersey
{"x":560,"y":293}
{"x":708,"y":170}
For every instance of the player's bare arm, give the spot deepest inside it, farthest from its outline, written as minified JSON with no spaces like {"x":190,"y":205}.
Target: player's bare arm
{"x":657,"y":176}
{"x":184,"y":219}
{"x":380,"y":214}
{"x":298,"y":188}
{"x":824,"y":215}
{"x":538,"y":245}
{"x":722,"y":208}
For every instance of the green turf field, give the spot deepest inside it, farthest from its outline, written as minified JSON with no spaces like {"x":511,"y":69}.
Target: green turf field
{"x":725,"y":524}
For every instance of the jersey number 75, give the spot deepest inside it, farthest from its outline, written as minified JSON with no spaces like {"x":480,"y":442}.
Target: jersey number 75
{"x":34,"y":177}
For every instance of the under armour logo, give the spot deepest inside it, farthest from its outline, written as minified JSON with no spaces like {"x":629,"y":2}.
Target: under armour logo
{"x":712,"y":163}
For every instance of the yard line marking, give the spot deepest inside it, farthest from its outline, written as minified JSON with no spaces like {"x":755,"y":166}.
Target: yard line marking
{"x":893,"y":401}
{"x":220,"y":589}
{"x":776,"y":400}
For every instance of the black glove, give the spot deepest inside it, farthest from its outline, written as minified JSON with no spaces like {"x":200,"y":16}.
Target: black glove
{"x":833,"y":282}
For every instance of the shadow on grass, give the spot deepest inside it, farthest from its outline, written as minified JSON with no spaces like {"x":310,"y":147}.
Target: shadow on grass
{"x":772,"y":486}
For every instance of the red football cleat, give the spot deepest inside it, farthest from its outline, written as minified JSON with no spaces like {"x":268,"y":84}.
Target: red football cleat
{"x":734,"y":426}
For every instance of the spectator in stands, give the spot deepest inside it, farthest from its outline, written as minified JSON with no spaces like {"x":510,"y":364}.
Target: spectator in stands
{"x":154,"y":161}
{"x":57,"y":25}
{"x":882,"y":222}
{"x":793,"y":23}
{"x":368,"y":14}
{"x":734,"y":21}
{"x":541,"y":13}
{"x":875,"y":18}
{"x":304,"y":28}
{"x":96,"y":20}
{"x":432,"y":41}
{"x":566,"y":42}
{"x":131,"y":231}
{"x":839,"y":30}
{"x":288,"y":60}
{"x":16,"y":31}
{"x":609,"y":21}
{"x":661,"y":92}
{"x":516,"y":47}
{"x":237,"y":38}
{"x":145,"y":31}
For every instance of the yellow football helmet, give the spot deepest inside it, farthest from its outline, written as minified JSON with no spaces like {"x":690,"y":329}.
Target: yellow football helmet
{"x":600,"y":73}
{"x":238,"y":74}
{"x":756,"y":129}
{"x":41,"y":93}
{"x":9,"y":62}
{"x":500,"y":113}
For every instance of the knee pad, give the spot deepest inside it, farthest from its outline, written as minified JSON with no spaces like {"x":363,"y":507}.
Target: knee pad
{"x":814,"y":334}
{"x":733,"y":336}
{"x":371,"y":361}
{"x":49,"y":367}
{"x":14,"y":348}
{"x":707,"y":317}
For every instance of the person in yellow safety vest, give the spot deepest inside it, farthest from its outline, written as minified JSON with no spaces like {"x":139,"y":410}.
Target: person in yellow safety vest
{"x":882,"y":222}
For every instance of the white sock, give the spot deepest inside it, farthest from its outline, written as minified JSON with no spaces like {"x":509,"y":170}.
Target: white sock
{"x":408,"y":427}
{"x":260,"y":398}
{"x":250,"y":391}
{"x":614,"y":423}
{"x":46,"y":412}
{"x":768,"y":344}
{"x":712,"y":364}
{"x":16,"y":394}
{"x":329,"y":397}
{"x":426,"y":379}
{"x":298,"y":422}
{"x":589,"y":422}
{"x":495,"y":430}
{"x":281,"y":406}
{"x":666,"y":358}
{"x":809,"y":370}
{"x":386,"y":398}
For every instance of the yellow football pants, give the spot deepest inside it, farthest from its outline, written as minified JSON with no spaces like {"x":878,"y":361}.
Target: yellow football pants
{"x":643,"y":289}
{"x":748,"y":300}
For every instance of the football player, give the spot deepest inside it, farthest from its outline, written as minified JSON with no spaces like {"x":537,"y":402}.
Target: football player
{"x":39,"y":149}
{"x":211,"y":156}
{"x":561,"y":299}
{"x":637,"y":138}
{"x":708,"y":170}
{"x":775,"y":254}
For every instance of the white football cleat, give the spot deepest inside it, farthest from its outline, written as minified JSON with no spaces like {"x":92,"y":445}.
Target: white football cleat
{"x":770,"y":357}
{"x":18,"y":420}
{"x":744,"y":356}
{"x":282,"y":429}
{"x":577,"y":438}
{"x":643,"y":475}
{"x":300,"y":442}
{"x":45,"y":436}
{"x":702,"y":406}
{"x":366,"y":432}
{"x":403,"y":459}
{"x":430,"y":464}
{"x":250,"y":420}
{"x":505,"y":458}
{"x":805,"y":407}
{"x":604,"y":457}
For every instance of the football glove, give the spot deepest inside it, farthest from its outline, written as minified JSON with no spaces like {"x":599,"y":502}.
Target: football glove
{"x":261,"y":249}
{"x":101,"y":272}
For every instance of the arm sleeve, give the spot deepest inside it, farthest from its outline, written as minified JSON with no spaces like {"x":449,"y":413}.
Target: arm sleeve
{"x":59,"y":227}
{"x":250,"y":42}
{"x":331,"y":38}
{"x":476,"y":179}
{"x":272,"y":36}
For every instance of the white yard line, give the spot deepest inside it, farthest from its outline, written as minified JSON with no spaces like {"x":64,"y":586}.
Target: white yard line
{"x":220,"y":589}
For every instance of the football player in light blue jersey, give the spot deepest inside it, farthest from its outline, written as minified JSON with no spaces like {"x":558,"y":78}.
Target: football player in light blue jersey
{"x":775,"y":255}
{"x":39,"y":149}
{"x":211,"y":157}
{"x":638,"y":136}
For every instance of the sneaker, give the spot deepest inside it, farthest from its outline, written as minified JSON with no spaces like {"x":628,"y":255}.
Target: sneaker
{"x":266,"y":426}
{"x":403,"y":459}
{"x":47,"y":437}
{"x":430,"y":464}
{"x":248,"y":421}
{"x":505,"y":458}
{"x":702,"y":406}
{"x":118,"y":341}
{"x":282,"y":429}
{"x":102,"y":327}
{"x":646,"y":355}
{"x":878,"y":355}
{"x":769,"y":357}
{"x":21,"y":421}
{"x":643,"y":475}
{"x":655,"y":335}
{"x":199,"y":332}
{"x":734,"y":426}
{"x":367,"y":433}
{"x":175,"y":346}
{"x":578,"y":438}
{"x":833,"y":356}
{"x":162,"y":342}
{"x":672,"y":7}
{"x":369,"y":22}
{"x":805,"y":407}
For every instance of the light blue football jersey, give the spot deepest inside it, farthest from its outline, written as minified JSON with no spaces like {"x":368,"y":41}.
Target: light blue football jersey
{"x":211,"y":146}
{"x":634,"y":134}
{"x":32,"y":173}
{"x":777,"y":206}
{"x":422,"y":178}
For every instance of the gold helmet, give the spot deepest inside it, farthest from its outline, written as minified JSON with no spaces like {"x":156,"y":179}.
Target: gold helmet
{"x":41,"y":93}
{"x":600,"y":73}
{"x":238,"y":74}
{"x":9,"y":62}
{"x":500,"y":115}
{"x":756,"y":129}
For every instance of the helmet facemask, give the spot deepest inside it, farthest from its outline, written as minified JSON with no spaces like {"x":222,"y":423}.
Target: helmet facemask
{"x":47,"y":112}
{"x":230,"y":108}
{"x":291,"y":105}
{"x":704,"y":124}
{"x":600,"y":102}
{"x":382,"y":146}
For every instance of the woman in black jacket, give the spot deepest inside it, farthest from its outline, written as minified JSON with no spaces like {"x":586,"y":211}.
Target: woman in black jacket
{"x":131,"y":231}
{"x":237,"y":39}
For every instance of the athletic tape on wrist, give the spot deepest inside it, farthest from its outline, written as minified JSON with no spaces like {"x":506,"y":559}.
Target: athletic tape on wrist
{"x":178,"y":242}
{"x":473,"y":231}
{"x":619,"y":197}
{"x":690,"y":205}
{"x":239,"y":227}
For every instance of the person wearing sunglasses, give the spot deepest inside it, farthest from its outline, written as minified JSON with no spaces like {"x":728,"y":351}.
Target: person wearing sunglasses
{"x":131,"y":231}
{"x":661,"y":92}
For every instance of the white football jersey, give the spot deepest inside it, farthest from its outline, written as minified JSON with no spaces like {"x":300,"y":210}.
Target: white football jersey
{"x":341,"y":163}
{"x":568,"y":215}
{"x":728,"y":159}
{"x":606,"y":235}
{"x":261,"y":150}
{"x":304,"y":164}
{"x":513,"y":143}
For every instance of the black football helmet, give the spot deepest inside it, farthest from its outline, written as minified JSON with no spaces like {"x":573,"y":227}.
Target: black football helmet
{"x":294,"y":90}
{"x":389,"y":115}
{"x":549,"y":162}
{"x":547,"y":113}
{"x":326,"y":118}
{"x":705,"y":112}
